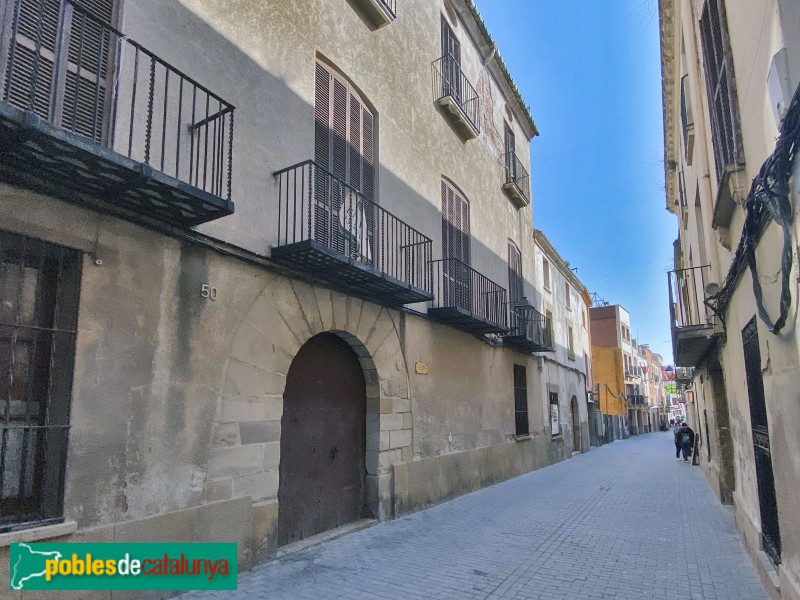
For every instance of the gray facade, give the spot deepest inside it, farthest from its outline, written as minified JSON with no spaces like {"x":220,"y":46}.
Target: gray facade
{"x":186,"y":333}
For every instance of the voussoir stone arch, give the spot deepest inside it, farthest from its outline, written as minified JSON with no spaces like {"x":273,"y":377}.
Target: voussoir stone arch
{"x":245,"y":444}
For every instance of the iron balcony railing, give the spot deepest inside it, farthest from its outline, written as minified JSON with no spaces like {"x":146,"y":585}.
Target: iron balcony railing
{"x":636,"y":399}
{"x":526,"y":322}
{"x":457,"y":285}
{"x":80,"y":74}
{"x":517,"y":174}
{"x":684,"y":373}
{"x":449,"y":80}
{"x":391,"y":7}
{"x":314,"y":205}
{"x":687,"y":296}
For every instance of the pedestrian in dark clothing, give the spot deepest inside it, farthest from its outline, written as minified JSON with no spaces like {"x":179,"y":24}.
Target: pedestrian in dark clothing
{"x":686,"y":436}
{"x":677,"y":434}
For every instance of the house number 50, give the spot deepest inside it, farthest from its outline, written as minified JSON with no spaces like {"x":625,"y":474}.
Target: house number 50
{"x":208,"y":291}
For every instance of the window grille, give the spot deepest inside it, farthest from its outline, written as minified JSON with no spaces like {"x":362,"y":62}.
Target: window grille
{"x":520,"y":400}
{"x":39,"y":287}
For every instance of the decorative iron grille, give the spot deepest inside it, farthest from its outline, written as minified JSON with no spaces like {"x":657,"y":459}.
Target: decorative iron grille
{"x":39,"y":287}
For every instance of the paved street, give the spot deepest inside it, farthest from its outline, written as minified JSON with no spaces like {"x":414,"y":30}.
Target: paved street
{"x":623,"y":521}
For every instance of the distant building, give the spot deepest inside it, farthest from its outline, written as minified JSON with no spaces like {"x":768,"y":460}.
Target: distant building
{"x":566,"y":376}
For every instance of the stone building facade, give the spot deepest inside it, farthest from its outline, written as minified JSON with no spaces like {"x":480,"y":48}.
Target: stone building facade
{"x":730,"y":69}
{"x":209,"y":230}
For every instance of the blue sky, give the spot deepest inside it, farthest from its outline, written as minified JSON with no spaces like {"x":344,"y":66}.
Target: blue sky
{"x":590,"y":71}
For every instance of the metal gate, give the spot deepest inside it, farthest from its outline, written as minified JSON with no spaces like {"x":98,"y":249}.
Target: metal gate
{"x":770,"y":532}
{"x":323,"y":433}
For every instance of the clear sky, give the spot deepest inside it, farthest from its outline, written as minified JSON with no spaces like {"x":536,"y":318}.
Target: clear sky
{"x":590,"y":71}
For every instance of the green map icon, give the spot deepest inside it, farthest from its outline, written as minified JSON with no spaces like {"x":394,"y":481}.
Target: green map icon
{"x":27,"y":564}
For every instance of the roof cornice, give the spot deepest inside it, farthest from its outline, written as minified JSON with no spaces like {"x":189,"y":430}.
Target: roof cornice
{"x":669,"y":25}
{"x":469,"y":15}
{"x":542,"y":241}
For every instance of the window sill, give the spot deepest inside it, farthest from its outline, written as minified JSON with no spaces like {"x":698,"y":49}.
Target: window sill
{"x":522,"y":438}
{"x":35,"y":534}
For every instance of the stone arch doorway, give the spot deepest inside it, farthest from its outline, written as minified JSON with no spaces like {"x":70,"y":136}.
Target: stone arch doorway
{"x":576,"y":424}
{"x":322,"y":470}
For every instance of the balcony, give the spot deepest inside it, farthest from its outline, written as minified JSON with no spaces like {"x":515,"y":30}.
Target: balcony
{"x":632,"y":373}
{"x":518,"y":182}
{"x":465,"y":299}
{"x":379,"y":12}
{"x":89,"y":115}
{"x":684,"y":375}
{"x":529,"y":330}
{"x":330,"y":231}
{"x":694,"y":331}
{"x":636,"y":400}
{"x":455,"y":94}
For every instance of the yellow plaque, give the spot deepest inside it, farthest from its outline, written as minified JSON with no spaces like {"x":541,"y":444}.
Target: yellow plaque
{"x":421,"y":368}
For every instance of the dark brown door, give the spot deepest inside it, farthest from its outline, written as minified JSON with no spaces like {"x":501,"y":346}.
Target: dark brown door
{"x":765,"y":479}
{"x":451,"y":69}
{"x":576,"y":425}
{"x":322,"y":440}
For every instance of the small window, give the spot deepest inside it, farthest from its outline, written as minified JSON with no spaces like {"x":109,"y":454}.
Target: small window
{"x":39,"y":285}
{"x":583,"y":317}
{"x":555,"y":428}
{"x":568,"y":295}
{"x":549,"y":315}
{"x":520,"y":400}
{"x":570,"y":343}
{"x":546,"y":273}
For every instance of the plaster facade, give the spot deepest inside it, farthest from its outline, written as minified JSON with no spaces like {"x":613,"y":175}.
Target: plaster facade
{"x":177,"y":396}
{"x":764,"y":67}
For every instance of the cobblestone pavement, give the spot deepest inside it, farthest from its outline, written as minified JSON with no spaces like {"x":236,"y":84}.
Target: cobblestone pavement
{"x":623,"y":521}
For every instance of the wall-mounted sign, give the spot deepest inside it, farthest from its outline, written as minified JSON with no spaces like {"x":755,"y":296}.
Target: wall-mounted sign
{"x":421,"y":368}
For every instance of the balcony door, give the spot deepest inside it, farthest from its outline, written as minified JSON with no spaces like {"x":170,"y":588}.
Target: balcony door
{"x":344,"y":146}
{"x":456,"y":274}
{"x":511,"y":164}
{"x":44,"y":33}
{"x":451,"y":65}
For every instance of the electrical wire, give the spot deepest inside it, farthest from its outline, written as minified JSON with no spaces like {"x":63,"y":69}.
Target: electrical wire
{"x":768,"y":199}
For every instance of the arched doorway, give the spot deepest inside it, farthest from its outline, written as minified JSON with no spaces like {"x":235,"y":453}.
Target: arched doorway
{"x":576,"y":425}
{"x":323,"y":431}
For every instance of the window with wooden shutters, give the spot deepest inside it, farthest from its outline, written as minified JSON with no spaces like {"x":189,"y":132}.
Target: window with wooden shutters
{"x":451,"y":68}
{"x":546,"y":273}
{"x":515,"y":289}
{"x":344,"y":146}
{"x":725,"y":135}
{"x":456,"y":245}
{"x":75,"y":98}
{"x":511,"y":163}
{"x":520,"y":401}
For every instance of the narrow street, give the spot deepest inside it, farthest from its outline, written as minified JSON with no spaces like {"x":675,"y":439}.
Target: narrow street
{"x":623,"y":521}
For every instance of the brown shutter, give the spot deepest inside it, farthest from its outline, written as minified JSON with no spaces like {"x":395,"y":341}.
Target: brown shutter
{"x":322,"y":142}
{"x":368,"y":155}
{"x":85,"y":104}
{"x":515,"y":289}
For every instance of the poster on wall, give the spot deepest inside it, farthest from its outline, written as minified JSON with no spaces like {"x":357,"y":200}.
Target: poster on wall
{"x":554,"y":419}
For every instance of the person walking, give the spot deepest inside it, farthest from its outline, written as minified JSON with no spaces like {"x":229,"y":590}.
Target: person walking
{"x":686,"y":437}
{"x":677,"y":435}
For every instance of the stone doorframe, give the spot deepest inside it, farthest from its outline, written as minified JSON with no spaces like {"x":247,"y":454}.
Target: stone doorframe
{"x":245,"y":444}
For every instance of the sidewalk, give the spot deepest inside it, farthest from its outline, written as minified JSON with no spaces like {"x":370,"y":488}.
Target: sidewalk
{"x":623,"y":521}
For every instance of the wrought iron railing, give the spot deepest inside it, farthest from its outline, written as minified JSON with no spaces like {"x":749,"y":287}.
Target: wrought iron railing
{"x":636,"y":399}
{"x":449,"y":80}
{"x":686,"y":297}
{"x":457,"y":285}
{"x":315,"y":205}
{"x":517,"y":174}
{"x":391,"y":7}
{"x":684,"y":373}
{"x":80,"y":74}
{"x":525,"y":321}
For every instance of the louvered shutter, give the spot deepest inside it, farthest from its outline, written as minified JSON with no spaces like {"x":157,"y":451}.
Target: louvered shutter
{"x":345,"y":146}
{"x":85,"y":104}
{"x":514,"y":273}
{"x":456,"y":244}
